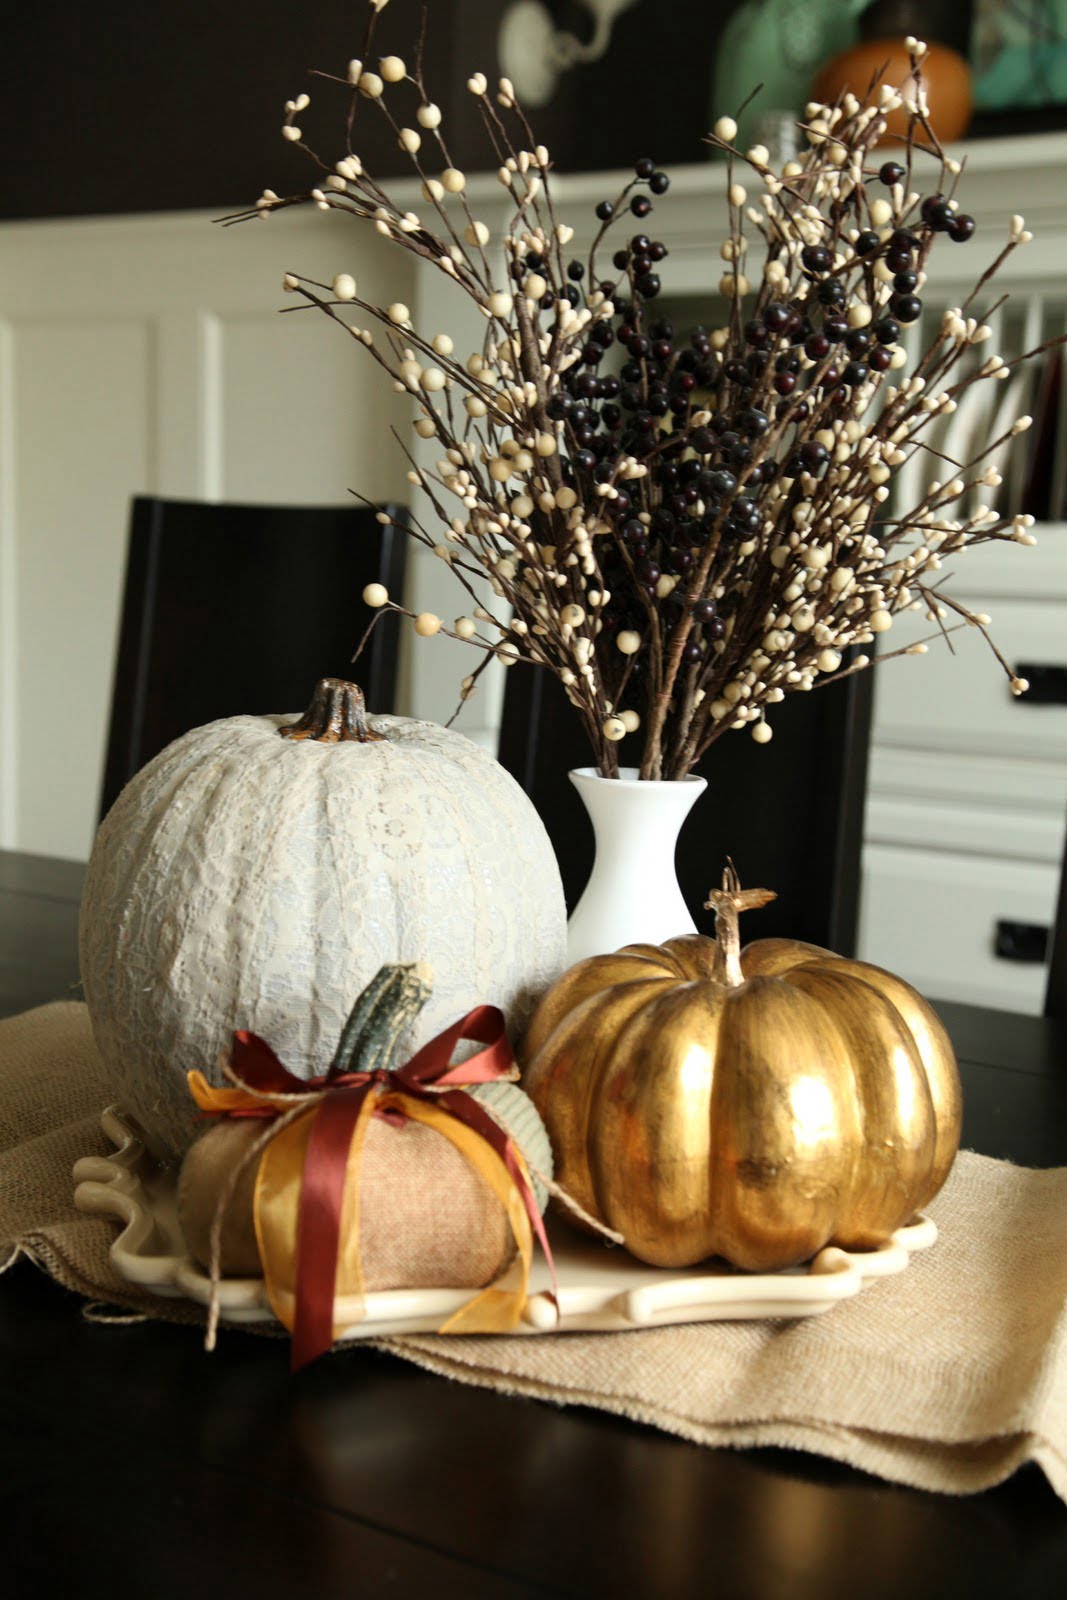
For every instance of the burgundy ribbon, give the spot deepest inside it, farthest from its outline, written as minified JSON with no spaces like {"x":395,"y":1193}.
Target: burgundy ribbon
{"x":427,"y":1076}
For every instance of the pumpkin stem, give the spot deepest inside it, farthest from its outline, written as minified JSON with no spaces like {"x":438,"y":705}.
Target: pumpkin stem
{"x":371,"y":1038}
{"x":337,"y":713}
{"x":727,"y":904}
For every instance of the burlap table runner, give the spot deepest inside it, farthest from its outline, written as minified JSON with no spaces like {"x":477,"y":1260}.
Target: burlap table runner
{"x":947,"y":1377}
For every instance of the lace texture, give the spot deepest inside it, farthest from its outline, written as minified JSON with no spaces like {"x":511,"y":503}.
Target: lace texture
{"x":248,"y":881}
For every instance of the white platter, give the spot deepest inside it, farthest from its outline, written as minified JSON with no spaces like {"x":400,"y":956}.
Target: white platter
{"x":600,"y":1288}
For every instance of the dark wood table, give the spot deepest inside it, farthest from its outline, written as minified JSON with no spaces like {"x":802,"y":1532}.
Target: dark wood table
{"x":132,"y":1464}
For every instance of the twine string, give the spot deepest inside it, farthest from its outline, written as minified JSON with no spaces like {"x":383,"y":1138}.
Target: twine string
{"x":103,"y":1314}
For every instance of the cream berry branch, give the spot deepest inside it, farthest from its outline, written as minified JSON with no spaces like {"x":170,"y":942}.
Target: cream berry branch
{"x":683,"y":530}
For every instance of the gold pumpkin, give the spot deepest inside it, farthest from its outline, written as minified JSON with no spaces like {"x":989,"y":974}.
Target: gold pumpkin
{"x":753,"y":1105}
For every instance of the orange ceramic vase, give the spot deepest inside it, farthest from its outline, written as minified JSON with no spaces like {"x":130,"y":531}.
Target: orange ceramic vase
{"x":946,"y":77}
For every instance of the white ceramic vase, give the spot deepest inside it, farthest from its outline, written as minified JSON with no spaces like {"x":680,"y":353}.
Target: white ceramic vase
{"x":633,"y":895}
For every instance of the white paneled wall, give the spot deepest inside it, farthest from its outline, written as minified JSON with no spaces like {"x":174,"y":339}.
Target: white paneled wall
{"x":147,"y":355}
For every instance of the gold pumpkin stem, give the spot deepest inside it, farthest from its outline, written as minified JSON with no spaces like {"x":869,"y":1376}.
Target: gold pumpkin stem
{"x":337,"y":714}
{"x":727,"y":904}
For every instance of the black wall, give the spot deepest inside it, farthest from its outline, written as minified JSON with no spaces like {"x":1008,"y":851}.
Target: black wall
{"x":127,"y":107}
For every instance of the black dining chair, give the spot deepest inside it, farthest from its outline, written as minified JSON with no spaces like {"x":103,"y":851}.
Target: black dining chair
{"x":237,"y":608}
{"x":789,"y":813}
{"x":1056,"y":992}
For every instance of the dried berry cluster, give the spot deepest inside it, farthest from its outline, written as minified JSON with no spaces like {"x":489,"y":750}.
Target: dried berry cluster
{"x":685,"y":529}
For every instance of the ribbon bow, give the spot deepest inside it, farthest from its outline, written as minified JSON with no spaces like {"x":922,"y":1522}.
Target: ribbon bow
{"x":321,"y":1125}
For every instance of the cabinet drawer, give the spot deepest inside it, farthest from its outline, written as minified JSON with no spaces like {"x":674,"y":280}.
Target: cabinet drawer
{"x":976,"y":829}
{"x":1038,"y":788}
{"x":994,"y":572}
{"x":931,"y":917}
{"x":961,"y":702}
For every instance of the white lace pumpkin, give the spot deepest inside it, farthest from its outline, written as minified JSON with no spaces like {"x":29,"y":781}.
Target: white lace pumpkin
{"x":243,"y":880}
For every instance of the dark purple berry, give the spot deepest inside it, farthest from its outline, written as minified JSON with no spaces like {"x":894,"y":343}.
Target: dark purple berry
{"x":887,"y":331}
{"x":659,"y":182}
{"x":906,"y":307}
{"x":880,"y":359}
{"x":817,"y":347}
{"x":776,"y":317}
{"x":703,"y":610}
{"x":855,"y":372}
{"x":605,"y":211}
{"x":785,"y":383}
{"x":648,"y":286}
{"x":867,"y":241}
{"x":645,"y":167}
{"x":891,"y":172}
{"x":962,"y":228}
{"x":906,"y":282}
{"x":813,"y":455}
{"x":640,"y":205}
{"x":816,"y":258}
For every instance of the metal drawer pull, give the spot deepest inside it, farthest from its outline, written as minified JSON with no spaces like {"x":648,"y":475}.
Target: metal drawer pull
{"x":1048,"y":683}
{"x":1022,"y":941}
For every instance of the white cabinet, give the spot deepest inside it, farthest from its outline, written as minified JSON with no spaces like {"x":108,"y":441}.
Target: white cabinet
{"x":967,"y":789}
